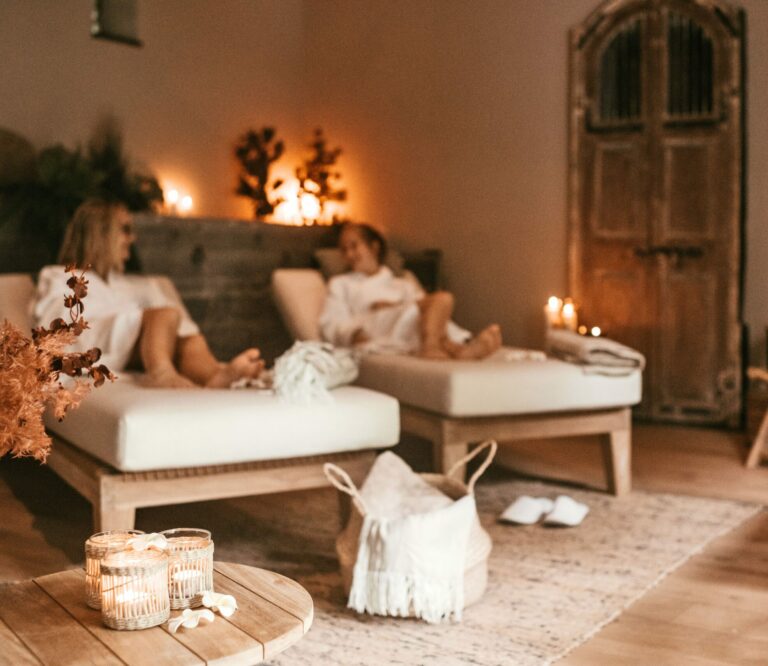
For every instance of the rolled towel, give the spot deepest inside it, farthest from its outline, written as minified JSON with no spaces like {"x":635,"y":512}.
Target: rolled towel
{"x":603,"y":353}
{"x":309,"y":369}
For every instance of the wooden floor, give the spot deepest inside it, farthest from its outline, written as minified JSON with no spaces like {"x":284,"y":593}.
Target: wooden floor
{"x":712,"y":610}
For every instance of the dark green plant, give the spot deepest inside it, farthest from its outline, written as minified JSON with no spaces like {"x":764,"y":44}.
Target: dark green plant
{"x":42,"y":201}
{"x":318,"y":175}
{"x":115,"y":179}
{"x":256,"y":153}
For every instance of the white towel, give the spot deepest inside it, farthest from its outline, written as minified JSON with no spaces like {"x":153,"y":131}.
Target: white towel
{"x":307,"y":371}
{"x":412,"y":546}
{"x":597,"y":355}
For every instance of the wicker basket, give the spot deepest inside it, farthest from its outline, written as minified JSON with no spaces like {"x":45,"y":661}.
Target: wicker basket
{"x":478,"y":546}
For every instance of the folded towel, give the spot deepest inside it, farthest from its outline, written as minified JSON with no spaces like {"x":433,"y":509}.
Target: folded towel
{"x":598,"y":355}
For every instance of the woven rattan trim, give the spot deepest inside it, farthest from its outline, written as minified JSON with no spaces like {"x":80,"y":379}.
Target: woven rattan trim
{"x":182,"y":472}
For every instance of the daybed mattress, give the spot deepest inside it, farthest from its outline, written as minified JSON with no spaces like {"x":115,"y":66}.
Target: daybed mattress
{"x":496,"y":386}
{"x":134,"y":428}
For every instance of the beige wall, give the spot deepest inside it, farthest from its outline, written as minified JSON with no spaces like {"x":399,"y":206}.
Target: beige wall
{"x":452,"y":115}
{"x":207,"y":72}
{"x":455,"y":112}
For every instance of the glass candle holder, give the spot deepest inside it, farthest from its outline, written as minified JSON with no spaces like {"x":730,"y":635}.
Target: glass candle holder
{"x":190,"y":566}
{"x":134,"y":589}
{"x":97,"y":547}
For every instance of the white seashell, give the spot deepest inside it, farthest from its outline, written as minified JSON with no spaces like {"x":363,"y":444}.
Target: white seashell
{"x":189,"y":619}
{"x":225,"y":604}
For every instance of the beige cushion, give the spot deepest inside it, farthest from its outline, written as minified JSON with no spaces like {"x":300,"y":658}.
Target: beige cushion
{"x":496,"y":386}
{"x":134,"y":428}
{"x":16,"y":293}
{"x":299,"y":295}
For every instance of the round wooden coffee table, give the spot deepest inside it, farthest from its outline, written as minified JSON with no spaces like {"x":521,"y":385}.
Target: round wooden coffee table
{"x":45,"y":621}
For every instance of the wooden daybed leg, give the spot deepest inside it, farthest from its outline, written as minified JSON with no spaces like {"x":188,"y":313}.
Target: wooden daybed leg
{"x":758,"y":448}
{"x":109,"y":514}
{"x":617,"y":458}
{"x":445,"y":453}
{"x":113,"y":518}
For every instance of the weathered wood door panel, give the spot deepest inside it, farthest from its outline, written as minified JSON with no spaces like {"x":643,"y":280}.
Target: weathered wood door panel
{"x":655,"y":187}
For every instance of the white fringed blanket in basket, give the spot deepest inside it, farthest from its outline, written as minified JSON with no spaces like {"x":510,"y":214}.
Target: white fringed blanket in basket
{"x":414,"y":545}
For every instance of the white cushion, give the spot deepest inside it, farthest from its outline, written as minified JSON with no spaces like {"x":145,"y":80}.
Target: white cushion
{"x":16,"y":293}
{"x":495,"y":386}
{"x":134,"y":428}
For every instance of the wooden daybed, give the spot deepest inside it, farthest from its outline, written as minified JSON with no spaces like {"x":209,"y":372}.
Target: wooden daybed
{"x":509,"y":396}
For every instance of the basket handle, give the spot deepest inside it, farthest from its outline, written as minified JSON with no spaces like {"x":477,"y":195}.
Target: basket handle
{"x":492,"y":447}
{"x":341,"y":480}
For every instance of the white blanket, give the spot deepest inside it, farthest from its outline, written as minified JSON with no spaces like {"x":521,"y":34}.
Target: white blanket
{"x":597,"y":355}
{"x":412,"y":547}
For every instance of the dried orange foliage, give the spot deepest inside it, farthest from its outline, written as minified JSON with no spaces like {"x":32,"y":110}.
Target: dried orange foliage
{"x":30,"y":371}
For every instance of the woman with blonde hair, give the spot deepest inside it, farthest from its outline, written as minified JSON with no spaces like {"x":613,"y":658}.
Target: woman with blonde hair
{"x":130,"y":318}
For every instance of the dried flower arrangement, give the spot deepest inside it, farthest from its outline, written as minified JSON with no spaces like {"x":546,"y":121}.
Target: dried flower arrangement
{"x":29,"y":375}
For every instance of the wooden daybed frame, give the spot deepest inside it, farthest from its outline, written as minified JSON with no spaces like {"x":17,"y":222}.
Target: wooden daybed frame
{"x":452,"y":436}
{"x":116,"y":495}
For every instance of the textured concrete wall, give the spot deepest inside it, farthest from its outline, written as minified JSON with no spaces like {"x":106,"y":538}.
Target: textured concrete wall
{"x":222,"y":269}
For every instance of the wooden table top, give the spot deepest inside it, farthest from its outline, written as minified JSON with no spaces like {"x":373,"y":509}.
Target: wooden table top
{"x":46,"y":621}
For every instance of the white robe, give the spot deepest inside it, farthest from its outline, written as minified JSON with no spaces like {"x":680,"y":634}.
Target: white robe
{"x":392,"y":329}
{"x":113,"y":310}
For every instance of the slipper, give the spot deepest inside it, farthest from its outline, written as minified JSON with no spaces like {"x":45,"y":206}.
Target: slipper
{"x":526,"y":510}
{"x":567,"y":512}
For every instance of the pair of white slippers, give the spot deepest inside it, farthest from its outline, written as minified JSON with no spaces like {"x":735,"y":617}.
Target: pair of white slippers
{"x":564,"y":511}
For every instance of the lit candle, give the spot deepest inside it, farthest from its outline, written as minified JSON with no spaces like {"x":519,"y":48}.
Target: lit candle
{"x":190,"y":569}
{"x":596,"y":331}
{"x":570,"y":318}
{"x":552,"y":312}
{"x":171,"y":199}
{"x":185,"y":204}
{"x":97,"y":547}
{"x":134,"y":589}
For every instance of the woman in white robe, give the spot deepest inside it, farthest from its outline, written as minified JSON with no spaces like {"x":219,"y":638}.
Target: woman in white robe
{"x":130,"y":318}
{"x":371,"y":308}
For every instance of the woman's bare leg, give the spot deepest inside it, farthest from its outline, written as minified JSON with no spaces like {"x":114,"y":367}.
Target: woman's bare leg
{"x":436,"y":310}
{"x":157,"y":348}
{"x":196,"y":361}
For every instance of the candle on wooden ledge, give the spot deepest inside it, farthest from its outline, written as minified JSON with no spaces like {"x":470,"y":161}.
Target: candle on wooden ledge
{"x":97,"y":547}
{"x":570,"y":318}
{"x":134,"y":589}
{"x":552,"y":312}
{"x":190,"y":566}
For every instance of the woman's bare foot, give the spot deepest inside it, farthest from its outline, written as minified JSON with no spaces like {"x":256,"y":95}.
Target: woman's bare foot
{"x":167,"y":377}
{"x":246,"y":365}
{"x":483,"y":344}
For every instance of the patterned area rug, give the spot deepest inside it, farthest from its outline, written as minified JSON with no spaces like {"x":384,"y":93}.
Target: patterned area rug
{"x":549,"y":589}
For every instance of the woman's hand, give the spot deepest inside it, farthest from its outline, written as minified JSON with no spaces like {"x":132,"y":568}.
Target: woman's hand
{"x":382,"y":305}
{"x":360,"y":337}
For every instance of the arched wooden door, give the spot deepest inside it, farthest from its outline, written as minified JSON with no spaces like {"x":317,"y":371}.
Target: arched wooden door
{"x":656,"y":161}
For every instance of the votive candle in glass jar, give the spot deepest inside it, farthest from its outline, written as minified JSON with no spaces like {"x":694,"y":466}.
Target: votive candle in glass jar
{"x":97,"y":547}
{"x":134,"y":589}
{"x":190,"y":566}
